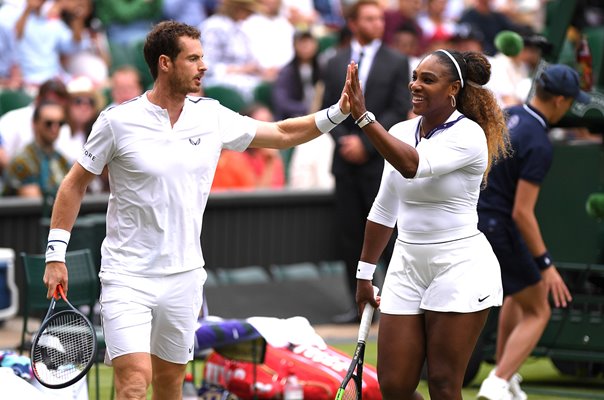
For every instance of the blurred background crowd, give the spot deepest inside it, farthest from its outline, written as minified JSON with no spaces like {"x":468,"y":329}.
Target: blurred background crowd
{"x":63,"y":61}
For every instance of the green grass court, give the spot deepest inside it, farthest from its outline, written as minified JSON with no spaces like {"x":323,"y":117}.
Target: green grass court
{"x":542,"y":380}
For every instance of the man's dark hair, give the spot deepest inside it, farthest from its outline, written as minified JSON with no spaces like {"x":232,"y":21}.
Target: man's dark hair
{"x":164,"y":40}
{"x":408,"y":27}
{"x":54,"y":86}
{"x":352,"y":12}
{"x":41,"y":105}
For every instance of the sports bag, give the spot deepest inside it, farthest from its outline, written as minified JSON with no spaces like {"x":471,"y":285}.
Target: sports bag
{"x":319,"y":370}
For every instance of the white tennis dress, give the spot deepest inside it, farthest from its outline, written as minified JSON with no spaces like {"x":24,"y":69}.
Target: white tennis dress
{"x":441,"y":261}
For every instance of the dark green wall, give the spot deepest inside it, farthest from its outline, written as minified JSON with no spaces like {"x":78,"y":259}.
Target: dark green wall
{"x":569,"y":233}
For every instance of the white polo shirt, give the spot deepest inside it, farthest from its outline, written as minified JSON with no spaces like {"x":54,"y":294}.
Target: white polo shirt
{"x":160,"y":178}
{"x":439,"y":203}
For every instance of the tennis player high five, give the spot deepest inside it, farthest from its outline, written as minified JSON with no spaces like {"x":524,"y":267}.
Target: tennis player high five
{"x":161,"y":150}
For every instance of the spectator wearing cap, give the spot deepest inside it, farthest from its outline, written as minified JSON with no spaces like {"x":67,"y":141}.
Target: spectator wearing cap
{"x":39,"y":168}
{"x":15,"y":125}
{"x":514,"y":66}
{"x":467,"y":38}
{"x":506,"y":210}
{"x":536,"y":46}
{"x":86,"y":102}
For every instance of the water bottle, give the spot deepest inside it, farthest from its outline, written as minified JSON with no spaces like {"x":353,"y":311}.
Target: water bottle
{"x":189,"y":392}
{"x":584,"y":65}
{"x":292,"y":389}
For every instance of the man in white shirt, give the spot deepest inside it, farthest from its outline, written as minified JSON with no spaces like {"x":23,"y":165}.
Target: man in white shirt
{"x":16,"y":125}
{"x":161,"y":150}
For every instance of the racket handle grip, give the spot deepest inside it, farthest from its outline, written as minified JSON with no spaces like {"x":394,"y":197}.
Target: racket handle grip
{"x":366,"y":318}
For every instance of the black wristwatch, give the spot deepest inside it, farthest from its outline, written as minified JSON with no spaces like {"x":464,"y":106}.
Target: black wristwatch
{"x":365,"y":119}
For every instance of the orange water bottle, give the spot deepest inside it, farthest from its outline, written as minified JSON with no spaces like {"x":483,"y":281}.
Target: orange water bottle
{"x":584,"y":65}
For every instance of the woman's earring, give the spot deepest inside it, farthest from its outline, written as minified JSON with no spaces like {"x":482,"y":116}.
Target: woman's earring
{"x":453,"y":101}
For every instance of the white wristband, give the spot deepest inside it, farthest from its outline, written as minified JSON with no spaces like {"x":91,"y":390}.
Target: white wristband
{"x":58,"y":239}
{"x":328,"y":118}
{"x":365,"y":270}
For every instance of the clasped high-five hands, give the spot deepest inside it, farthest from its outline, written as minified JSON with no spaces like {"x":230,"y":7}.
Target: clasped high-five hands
{"x":351,"y":147}
{"x":352,"y":100}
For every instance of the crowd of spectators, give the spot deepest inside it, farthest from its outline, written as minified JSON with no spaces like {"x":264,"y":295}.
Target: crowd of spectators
{"x":85,"y":55}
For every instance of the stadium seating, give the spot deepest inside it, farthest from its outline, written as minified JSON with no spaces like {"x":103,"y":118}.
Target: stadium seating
{"x":227,"y":96}
{"x":12,"y":99}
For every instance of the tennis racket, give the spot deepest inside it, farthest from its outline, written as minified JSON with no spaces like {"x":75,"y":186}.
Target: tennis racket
{"x":351,"y":387}
{"x":65,"y":346}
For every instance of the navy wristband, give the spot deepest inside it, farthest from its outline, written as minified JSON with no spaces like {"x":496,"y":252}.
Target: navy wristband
{"x":544,"y":261}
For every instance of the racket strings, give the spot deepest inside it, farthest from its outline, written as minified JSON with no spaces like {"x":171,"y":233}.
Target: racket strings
{"x":351,"y":392}
{"x":65,"y":348}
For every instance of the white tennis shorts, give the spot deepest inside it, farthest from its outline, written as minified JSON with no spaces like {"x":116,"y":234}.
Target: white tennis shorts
{"x":155,"y":315}
{"x":457,"y":276}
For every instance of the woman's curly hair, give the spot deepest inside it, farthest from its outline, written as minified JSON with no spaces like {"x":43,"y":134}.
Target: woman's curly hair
{"x":478,"y":103}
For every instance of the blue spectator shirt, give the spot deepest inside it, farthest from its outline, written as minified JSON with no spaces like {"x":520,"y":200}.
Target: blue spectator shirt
{"x":7,"y":40}
{"x":531,"y":160}
{"x":44,"y":40}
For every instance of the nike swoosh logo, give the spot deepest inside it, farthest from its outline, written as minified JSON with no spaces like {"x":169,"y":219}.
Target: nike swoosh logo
{"x":483,"y":299}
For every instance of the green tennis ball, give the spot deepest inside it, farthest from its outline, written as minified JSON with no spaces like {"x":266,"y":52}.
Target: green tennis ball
{"x":595,"y":205}
{"x":509,"y":43}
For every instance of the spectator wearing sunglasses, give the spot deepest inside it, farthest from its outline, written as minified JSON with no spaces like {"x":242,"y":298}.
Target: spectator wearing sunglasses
{"x":15,"y":125}
{"x":39,"y":168}
{"x":83,"y":108}
{"x":85,"y":104}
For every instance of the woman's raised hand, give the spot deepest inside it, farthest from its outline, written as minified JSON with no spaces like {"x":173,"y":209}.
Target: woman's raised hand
{"x":354,"y":92}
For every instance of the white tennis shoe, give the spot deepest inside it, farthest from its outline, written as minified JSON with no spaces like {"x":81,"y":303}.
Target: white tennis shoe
{"x":494,"y":388}
{"x":515,"y":389}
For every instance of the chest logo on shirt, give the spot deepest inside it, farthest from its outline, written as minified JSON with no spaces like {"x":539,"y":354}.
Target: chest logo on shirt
{"x":195,"y":142}
{"x":513,"y":122}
